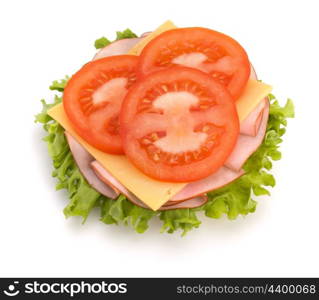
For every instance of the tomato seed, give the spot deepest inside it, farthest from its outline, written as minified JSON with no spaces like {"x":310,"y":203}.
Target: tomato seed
{"x":154,"y":136}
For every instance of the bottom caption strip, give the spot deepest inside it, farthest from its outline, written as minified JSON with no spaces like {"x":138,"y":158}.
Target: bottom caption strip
{"x":146,"y":288}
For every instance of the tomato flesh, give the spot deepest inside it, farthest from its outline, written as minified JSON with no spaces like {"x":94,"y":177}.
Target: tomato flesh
{"x":207,"y":50}
{"x":93,"y":97}
{"x":178,"y":125}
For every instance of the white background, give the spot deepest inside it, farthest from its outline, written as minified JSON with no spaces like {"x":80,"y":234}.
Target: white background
{"x":44,"y":40}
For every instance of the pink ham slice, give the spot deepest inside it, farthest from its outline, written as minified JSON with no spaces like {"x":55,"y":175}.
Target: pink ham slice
{"x":117,"y":48}
{"x":145,"y":34}
{"x":217,"y":180}
{"x":247,"y":145}
{"x":109,"y":179}
{"x":83,"y":160}
{"x":190,"y":203}
{"x":251,"y":124}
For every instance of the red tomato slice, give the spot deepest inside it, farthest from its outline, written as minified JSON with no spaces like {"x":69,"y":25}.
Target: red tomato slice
{"x":207,"y":50}
{"x":93,"y":97}
{"x":178,"y":125}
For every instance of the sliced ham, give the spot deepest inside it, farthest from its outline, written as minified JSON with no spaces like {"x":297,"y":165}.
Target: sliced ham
{"x":83,"y":160}
{"x":190,"y":203}
{"x":145,"y":34}
{"x":217,"y":180}
{"x":117,"y":48}
{"x":251,"y":124}
{"x":253,"y":74}
{"x":247,"y":145}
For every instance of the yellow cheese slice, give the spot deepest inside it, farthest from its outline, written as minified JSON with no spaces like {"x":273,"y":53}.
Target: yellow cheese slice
{"x":152,"y":192}
{"x":251,"y":96}
{"x":137,"y":49}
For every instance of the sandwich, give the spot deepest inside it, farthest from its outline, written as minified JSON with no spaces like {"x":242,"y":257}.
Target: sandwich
{"x":164,"y":125}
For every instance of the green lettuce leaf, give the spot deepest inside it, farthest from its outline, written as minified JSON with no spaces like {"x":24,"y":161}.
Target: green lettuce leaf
{"x":58,"y":85}
{"x":123,"y":211}
{"x":103,"y":41}
{"x":236,"y":198}
{"x":125,"y":34}
{"x":184,"y":219}
{"x":82,"y":196}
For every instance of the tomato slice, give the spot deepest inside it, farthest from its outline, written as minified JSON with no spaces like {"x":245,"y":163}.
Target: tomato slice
{"x":93,"y":97}
{"x":178,"y":125}
{"x":207,"y":50}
